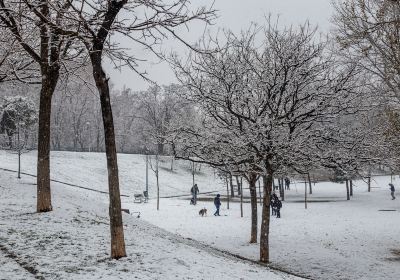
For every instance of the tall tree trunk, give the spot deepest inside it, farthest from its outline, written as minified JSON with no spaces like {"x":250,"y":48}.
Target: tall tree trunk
{"x":116,"y":224}
{"x":309,"y":182}
{"x":43,"y":203}
{"x":369,"y":183}
{"x":231,"y":184}
{"x":253,"y":202}
{"x":264,"y":234}
{"x":259,"y":190}
{"x":351,"y":187}
{"x":227,"y":193}
{"x":282,"y":189}
{"x":241,"y":197}
{"x":347,"y":189}
{"x":237,"y":184}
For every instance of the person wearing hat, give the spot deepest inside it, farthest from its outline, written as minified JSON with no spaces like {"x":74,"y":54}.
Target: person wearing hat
{"x":217,"y":203}
{"x":392,"y":191}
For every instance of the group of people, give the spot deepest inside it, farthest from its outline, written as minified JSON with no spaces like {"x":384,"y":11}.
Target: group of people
{"x":276,"y":205}
{"x":193,"y":201}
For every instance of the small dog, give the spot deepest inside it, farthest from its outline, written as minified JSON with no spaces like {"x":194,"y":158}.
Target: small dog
{"x":203,"y":212}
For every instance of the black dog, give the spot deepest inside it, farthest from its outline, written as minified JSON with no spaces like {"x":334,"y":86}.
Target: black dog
{"x":203,"y":212}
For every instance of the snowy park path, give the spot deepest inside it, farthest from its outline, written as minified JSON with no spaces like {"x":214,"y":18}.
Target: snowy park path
{"x":72,"y":242}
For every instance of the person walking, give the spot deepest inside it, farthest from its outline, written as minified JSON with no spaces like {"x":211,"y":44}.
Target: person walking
{"x":287,"y":183}
{"x":274,"y":197}
{"x":392,"y":190}
{"x":278,"y":205}
{"x":217,"y":203}
{"x":194,"y":191}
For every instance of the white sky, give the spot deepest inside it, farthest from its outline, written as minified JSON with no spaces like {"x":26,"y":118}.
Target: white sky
{"x":232,"y":14}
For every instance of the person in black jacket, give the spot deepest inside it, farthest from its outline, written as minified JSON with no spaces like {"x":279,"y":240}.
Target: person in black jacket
{"x":278,"y":205}
{"x":194,"y":191}
{"x":272,"y":203}
{"x":217,"y":203}
{"x":392,"y":191}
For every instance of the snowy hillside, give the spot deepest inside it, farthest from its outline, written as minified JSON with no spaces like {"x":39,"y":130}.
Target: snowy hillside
{"x":332,"y":239}
{"x":72,"y":242}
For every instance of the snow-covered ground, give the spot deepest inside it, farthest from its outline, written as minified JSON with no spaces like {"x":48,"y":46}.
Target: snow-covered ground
{"x":332,"y":239}
{"x":72,"y":242}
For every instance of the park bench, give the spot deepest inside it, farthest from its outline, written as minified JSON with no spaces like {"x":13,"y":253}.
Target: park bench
{"x":141,"y":197}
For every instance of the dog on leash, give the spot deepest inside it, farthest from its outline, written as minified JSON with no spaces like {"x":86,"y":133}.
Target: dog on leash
{"x":203,"y":212}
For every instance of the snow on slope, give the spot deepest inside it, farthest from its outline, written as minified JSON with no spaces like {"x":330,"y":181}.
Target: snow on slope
{"x":72,"y":242}
{"x":332,"y":239}
{"x":90,"y":170}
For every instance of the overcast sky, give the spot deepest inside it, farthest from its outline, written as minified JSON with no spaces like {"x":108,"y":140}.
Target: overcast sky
{"x":235,"y":15}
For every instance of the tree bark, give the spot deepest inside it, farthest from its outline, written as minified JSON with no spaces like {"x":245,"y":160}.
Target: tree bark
{"x":253,"y":202}
{"x":241,"y":197}
{"x":309,"y":182}
{"x":116,"y":224}
{"x":231,"y":184}
{"x":351,"y":187}
{"x":264,"y":235}
{"x":347,"y":189}
{"x":227,"y":194}
{"x":43,"y":203}
{"x":369,"y":183}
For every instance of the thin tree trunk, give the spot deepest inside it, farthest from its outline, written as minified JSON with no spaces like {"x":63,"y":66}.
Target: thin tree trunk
{"x":309,"y":182}
{"x":347,"y":189}
{"x":116,"y":224}
{"x":43,"y":162}
{"x":305,"y":193}
{"x":231,"y":184}
{"x":282,"y":189}
{"x":253,"y":202}
{"x":351,"y":187}
{"x":264,"y":234}
{"x":369,"y":183}
{"x":19,"y":153}
{"x":238,"y":185}
{"x":158,"y":185}
{"x":193,"y":170}
{"x":227,"y":193}
{"x":259,"y":191}
{"x":241,"y":197}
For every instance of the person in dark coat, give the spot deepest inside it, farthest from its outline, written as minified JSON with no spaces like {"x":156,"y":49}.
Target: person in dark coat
{"x":287,"y":183}
{"x":278,"y":205}
{"x":392,"y":190}
{"x":274,"y":197}
{"x":194,"y":191}
{"x":217,"y":203}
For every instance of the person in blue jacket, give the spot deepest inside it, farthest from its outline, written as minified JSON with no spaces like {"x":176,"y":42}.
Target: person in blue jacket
{"x":392,"y":190}
{"x":217,"y":203}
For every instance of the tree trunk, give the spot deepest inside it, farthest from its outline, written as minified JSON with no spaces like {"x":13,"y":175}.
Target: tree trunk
{"x":43,"y":161}
{"x":227,"y":193}
{"x":19,"y":153}
{"x":231,"y":184}
{"x":116,"y":224}
{"x":158,"y":185}
{"x":369,"y":183}
{"x":309,"y":182}
{"x":253,"y":202}
{"x":282,"y":189}
{"x":351,"y":187}
{"x":347,"y":189}
{"x":259,"y":191}
{"x":160,"y":148}
{"x":241,"y":197}
{"x":264,"y":235}
{"x":305,"y":193}
{"x":238,"y":184}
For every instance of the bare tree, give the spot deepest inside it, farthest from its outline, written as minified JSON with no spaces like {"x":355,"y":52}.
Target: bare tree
{"x":260,"y":105}
{"x":35,"y":26}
